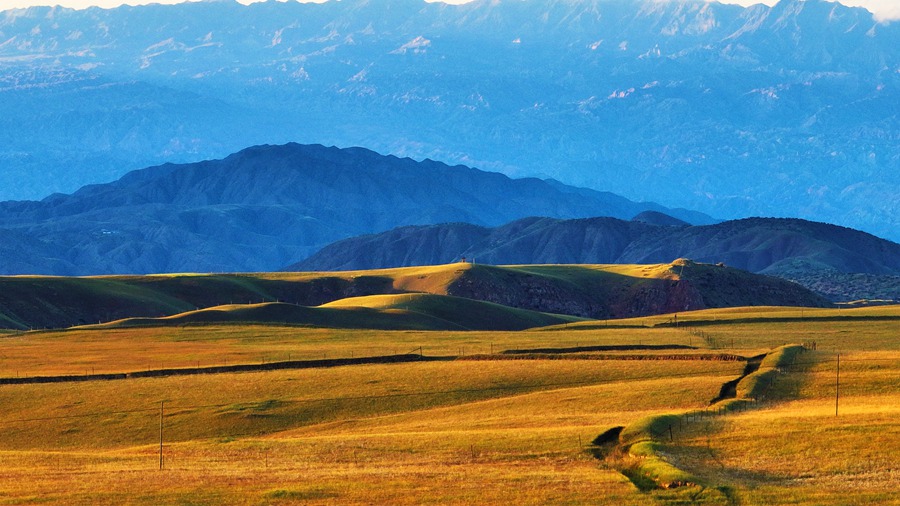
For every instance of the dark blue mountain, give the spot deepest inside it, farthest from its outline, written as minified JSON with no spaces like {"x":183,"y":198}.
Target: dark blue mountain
{"x":267,"y":206}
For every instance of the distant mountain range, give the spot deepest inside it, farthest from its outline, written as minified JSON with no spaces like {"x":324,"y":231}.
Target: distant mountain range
{"x":268,"y":206}
{"x":789,"y":110}
{"x":818,"y":255}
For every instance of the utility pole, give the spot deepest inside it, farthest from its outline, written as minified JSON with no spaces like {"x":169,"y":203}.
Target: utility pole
{"x":161,"y":407}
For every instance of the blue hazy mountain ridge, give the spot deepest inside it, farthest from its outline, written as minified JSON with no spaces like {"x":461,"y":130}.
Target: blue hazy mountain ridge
{"x":789,"y":110}
{"x":840,"y":263}
{"x":267,"y":206}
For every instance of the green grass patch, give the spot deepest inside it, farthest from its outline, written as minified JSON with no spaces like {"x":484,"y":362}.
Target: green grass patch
{"x":757,"y":385}
{"x":652,"y":465}
{"x":781,"y":357}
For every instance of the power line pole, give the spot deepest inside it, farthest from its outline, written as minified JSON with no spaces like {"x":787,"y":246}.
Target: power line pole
{"x":161,"y":407}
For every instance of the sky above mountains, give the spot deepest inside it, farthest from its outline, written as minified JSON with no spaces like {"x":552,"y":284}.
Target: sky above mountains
{"x":883,"y":9}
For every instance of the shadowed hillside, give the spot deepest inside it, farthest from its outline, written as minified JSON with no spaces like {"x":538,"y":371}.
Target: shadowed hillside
{"x":379,"y":312}
{"x":590,"y":291}
{"x":621,"y":291}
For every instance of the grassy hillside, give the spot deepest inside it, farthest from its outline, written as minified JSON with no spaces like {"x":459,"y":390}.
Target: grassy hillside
{"x":374,"y":312}
{"x":599,"y":291}
{"x":276,"y":313}
{"x":458,"y":312}
{"x":805,"y":446}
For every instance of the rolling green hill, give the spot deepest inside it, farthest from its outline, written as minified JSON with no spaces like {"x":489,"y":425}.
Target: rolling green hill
{"x":380,"y":312}
{"x":587,"y":291}
{"x":458,"y":312}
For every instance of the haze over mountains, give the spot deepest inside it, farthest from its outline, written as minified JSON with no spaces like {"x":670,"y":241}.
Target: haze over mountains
{"x":788,"y":110}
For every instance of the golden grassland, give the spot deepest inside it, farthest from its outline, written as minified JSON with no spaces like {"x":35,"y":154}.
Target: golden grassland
{"x":450,"y":432}
{"x":235,"y":404}
{"x":87,"y":351}
{"x":432,"y":279}
{"x":766,"y":313}
{"x":361,"y":471}
{"x":458,"y":432}
{"x":134,"y":349}
{"x":800,"y":450}
{"x":864,"y":328}
{"x":576,"y":272}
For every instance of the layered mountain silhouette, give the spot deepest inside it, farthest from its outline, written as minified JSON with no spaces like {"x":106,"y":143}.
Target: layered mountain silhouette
{"x":821,"y":256}
{"x":267,"y":206}
{"x":788,"y":110}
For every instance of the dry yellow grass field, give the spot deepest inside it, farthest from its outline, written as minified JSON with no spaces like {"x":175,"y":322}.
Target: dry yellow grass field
{"x":457,"y":432}
{"x":136,"y":349}
{"x":448,"y":432}
{"x":801,"y":449}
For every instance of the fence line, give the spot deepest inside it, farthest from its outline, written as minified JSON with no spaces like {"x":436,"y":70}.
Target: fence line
{"x":410,"y":356}
{"x":534,"y":387}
